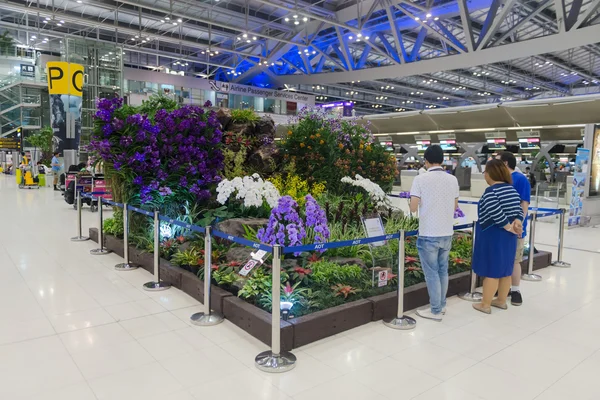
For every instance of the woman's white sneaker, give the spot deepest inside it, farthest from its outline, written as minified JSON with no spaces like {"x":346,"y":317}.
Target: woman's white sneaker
{"x":427,"y":314}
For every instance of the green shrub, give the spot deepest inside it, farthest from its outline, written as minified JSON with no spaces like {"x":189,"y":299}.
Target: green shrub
{"x":243,"y":116}
{"x":326,"y":274}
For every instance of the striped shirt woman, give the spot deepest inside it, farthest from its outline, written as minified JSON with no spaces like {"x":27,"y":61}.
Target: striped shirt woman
{"x":500,"y":221}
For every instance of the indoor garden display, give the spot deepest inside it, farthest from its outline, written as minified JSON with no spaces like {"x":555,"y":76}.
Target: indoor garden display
{"x":227,"y":169}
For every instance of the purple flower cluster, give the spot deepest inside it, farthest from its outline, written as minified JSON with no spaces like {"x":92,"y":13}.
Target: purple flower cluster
{"x":285,"y":226}
{"x":404,"y":195}
{"x":177,"y":153}
{"x":458,"y":213}
{"x":316,"y":219}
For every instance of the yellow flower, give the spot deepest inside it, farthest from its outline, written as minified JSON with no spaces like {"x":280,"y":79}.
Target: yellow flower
{"x":309,"y":147}
{"x":289,"y":133}
{"x":322,"y":141}
{"x":312,"y":136}
{"x":318,"y":135}
{"x":361,"y":146}
{"x":301,"y":144}
{"x":341,"y":146}
{"x":369,"y":148}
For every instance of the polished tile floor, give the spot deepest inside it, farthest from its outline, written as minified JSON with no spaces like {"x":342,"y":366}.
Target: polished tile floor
{"x":71,"y":328}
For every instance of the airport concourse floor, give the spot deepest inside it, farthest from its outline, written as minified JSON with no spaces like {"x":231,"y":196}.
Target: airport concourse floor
{"x":72,"y":328}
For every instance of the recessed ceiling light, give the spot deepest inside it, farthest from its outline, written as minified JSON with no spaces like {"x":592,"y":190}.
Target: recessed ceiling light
{"x":287,"y":19}
{"x":428,"y":15}
{"x":79,"y":1}
{"x":59,"y":24}
{"x":62,"y":22}
{"x":305,"y":19}
{"x":296,"y":22}
{"x":179,"y":20}
{"x":168,"y":18}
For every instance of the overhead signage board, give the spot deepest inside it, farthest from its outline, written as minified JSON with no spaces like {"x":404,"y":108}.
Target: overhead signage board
{"x":10,"y":144}
{"x":28,"y":70}
{"x":496,"y":144}
{"x":422,"y":137}
{"x":524,"y":134}
{"x":495,"y":135}
{"x":234,"y":88}
{"x":447,"y":136}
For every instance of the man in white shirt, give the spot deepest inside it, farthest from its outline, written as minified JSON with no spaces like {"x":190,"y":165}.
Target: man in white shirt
{"x":435,"y":195}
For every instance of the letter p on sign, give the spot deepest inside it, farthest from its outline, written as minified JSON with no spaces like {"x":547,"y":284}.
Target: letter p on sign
{"x":65,"y":78}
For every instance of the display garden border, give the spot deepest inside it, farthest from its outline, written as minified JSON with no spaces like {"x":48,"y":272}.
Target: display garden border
{"x":305,"y":329}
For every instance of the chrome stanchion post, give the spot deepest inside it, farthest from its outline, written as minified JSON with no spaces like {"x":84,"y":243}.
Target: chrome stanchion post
{"x":100,"y":251}
{"x":401,"y":321}
{"x":208,"y":317}
{"x":79,"y":237}
{"x":275,"y":360}
{"x":156,"y":285}
{"x":472,"y":295}
{"x":561,"y":233}
{"x":530,"y":276}
{"x":126,"y":266}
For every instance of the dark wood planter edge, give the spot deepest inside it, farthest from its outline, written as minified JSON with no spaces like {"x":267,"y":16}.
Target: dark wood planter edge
{"x":308,"y":328}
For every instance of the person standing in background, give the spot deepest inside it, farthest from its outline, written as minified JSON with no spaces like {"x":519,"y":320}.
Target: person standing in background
{"x":435,"y":195}
{"x":499,"y":226}
{"x":531,"y":177}
{"x":523,"y":188}
{"x":55,"y":169}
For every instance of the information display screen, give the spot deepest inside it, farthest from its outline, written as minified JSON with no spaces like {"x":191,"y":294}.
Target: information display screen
{"x":448,"y":145}
{"x":422,"y":145}
{"x":496,"y":144}
{"x":529,"y":143}
{"x":389,"y":146}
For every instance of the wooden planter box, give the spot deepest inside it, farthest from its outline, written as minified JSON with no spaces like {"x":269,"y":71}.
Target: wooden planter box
{"x":308,"y":328}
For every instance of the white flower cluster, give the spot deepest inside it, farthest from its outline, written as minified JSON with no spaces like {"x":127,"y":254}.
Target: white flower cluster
{"x":253,"y":190}
{"x":373,"y":189}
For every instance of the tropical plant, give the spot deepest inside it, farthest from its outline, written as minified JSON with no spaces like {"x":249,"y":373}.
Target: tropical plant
{"x":326,"y":273}
{"x":225,"y":276}
{"x":42,"y":139}
{"x":344,"y":290}
{"x":246,"y":116}
{"x":189,"y":257}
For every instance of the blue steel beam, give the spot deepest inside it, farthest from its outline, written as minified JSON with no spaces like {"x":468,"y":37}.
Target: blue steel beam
{"x":450,"y":36}
{"x":388,"y":46}
{"x":417,"y":46}
{"x":489,"y":20}
{"x":363,"y":58}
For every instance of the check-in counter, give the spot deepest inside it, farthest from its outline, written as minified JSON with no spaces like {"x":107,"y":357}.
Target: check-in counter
{"x":478,"y":185}
{"x":407,"y":177}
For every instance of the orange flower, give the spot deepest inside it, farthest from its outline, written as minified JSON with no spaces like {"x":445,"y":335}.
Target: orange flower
{"x":309,"y":147}
{"x":318,"y":135}
{"x":289,"y":133}
{"x":321,"y":141}
{"x":301,"y":144}
{"x":341,"y":146}
{"x":312,"y":136}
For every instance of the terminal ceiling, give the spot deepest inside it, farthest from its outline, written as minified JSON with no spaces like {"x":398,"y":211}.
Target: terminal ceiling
{"x":384,"y":55}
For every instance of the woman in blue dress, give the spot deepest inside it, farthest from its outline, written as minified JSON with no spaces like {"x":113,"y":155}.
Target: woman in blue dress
{"x":500,"y":221}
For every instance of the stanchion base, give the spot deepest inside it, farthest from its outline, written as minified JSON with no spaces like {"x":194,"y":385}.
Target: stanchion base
{"x":156,"y":286}
{"x":561,"y":264}
{"x":531,"y":277}
{"x":474,"y":297}
{"x":79,"y":238}
{"x":126,"y":267}
{"x":275,"y":363}
{"x":100,"y":252}
{"x":403,"y":323}
{"x":201,"y":319}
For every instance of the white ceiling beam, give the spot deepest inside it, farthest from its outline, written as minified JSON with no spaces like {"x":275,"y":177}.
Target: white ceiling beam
{"x":546,"y":44}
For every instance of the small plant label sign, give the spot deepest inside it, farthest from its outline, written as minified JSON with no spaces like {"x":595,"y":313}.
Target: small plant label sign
{"x":249,"y":266}
{"x":259,"y":255}
{"x":382,"y":278}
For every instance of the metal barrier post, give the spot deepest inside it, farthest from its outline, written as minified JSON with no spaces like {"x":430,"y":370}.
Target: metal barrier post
{"x":79,"y":237}
{"x":472,"y":295}
{"x":275,"y":360}
{"x":561,"y":233}
{"x":208,"y":317}
{"x":156,"y":285}
{"x":100,"y":251}
{"x":530,"y":276}
{"x":126,"y":266}
{"x":401,"y":321}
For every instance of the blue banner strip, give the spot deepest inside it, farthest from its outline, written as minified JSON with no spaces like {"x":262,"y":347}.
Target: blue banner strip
{"x":113,"y":203}
{"x":139,"y":210}
{"x":243,"y":242}
{"x":98,"y":193}
{"x":191,"y":227}
{"x":468,"y":202}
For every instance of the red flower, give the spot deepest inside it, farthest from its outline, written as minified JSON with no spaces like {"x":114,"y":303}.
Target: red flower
{"x":180,"y":239}
{"x":410,"y":259}
{"x":215,"y":267}
{"x":459,"y":260}
{"x":234,"y":264}
{"x":288,"y":289}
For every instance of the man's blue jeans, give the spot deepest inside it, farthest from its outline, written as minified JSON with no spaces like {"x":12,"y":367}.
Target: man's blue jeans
{"x":434,"y":252}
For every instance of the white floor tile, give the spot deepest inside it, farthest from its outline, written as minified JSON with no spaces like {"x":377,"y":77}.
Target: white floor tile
{"x":152,"y":324}
{"x":340,"y":388}
{"x":247,"y":386}
{"x":80,"y":320}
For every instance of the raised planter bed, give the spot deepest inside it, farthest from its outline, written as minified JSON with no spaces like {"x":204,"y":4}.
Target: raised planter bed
{"x":308,"y":328}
